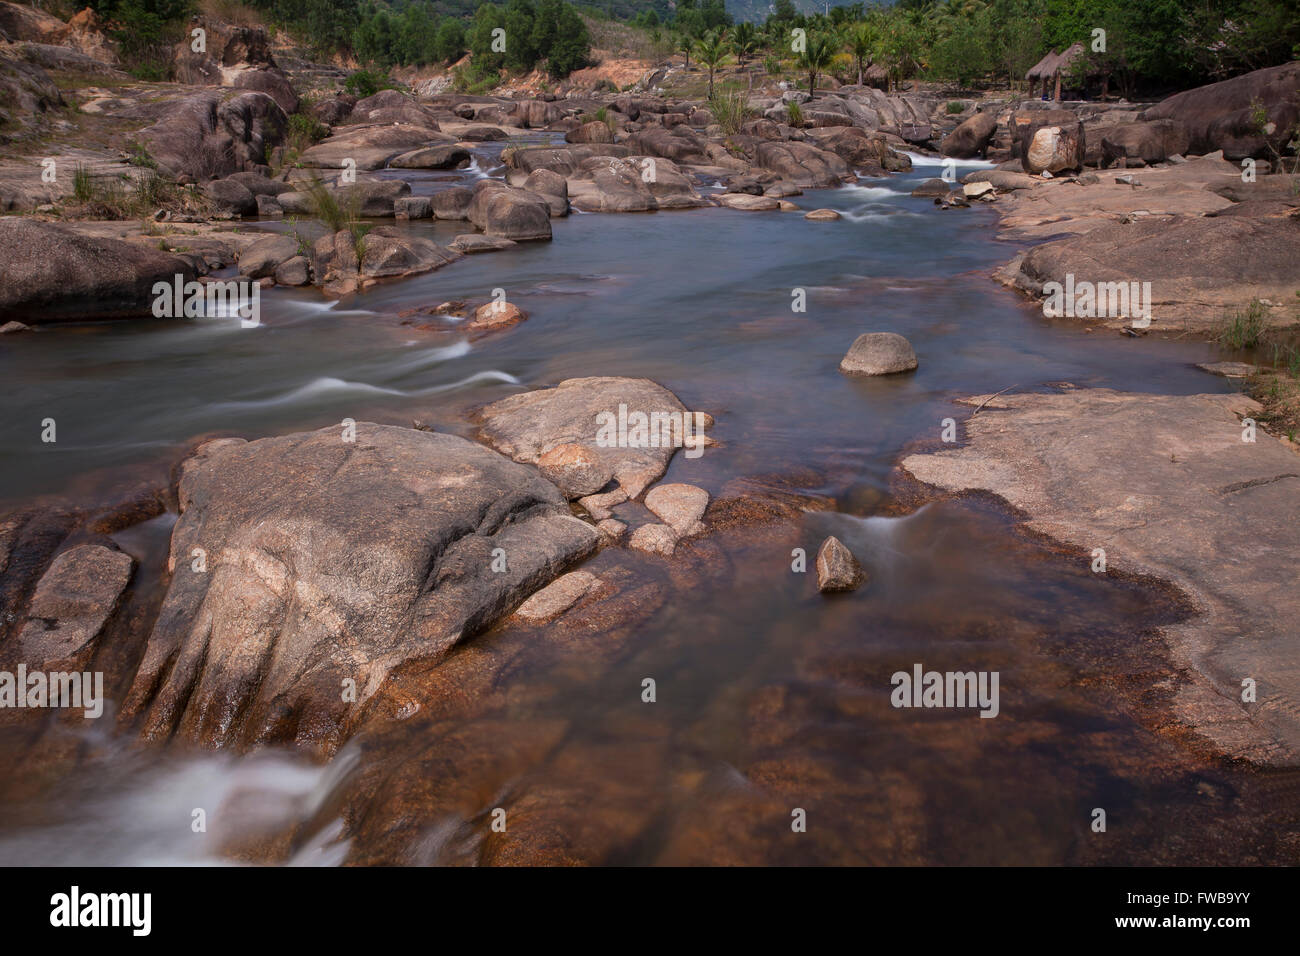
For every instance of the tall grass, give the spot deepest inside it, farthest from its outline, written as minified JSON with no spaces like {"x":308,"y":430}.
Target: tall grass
{"x":1244,"y":328}
{"x":730,"y":108}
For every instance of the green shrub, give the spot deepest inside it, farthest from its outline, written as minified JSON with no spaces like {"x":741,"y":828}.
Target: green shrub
{"x":365,"y":83}
{"x":955,"y":106}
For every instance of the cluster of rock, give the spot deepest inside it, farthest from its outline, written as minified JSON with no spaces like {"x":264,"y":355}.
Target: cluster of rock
{"x":304,"y":568}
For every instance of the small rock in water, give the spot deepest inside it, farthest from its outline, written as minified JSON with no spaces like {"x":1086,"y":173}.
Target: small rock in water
{"x":932,"y":188}
{"x":1128,"y":180}
{"x":975,"y":190}
{"x":598,"y":506}
{"x":879,"y":353}
{"x":557,"y":597}
{"x":680,"y":506}
{"x":654,"y":539}
{"x":822,"y":215}
{"x":575,"y":469}
{"x":1226,"y":369}
{"x":611,"y":528}
{"x":497,"y":315}
{"x":14,"y":327}
{"x":837,"y":568}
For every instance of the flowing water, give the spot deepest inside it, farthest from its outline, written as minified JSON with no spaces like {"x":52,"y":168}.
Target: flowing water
{"x":770,"y":698}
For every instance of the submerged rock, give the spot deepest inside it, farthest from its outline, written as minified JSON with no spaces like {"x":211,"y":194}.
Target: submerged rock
{"x":679,"y":506}
{"x":1166,"y":486}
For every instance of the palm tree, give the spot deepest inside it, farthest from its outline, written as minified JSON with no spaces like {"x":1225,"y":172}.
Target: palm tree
{"x":711,"y":52}
{"x":817,"y":56}
{"x":862,"y":44}
{"x":685,"y":44}
{"x":744,"y":40}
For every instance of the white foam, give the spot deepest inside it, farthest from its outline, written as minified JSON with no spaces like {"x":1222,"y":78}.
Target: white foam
{"x":919,"y":160}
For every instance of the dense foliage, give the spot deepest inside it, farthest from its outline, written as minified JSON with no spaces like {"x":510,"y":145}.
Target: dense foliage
{"x":1150,"y":45}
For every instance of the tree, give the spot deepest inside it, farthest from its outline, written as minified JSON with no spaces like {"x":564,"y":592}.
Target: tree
{"x":449,"y":44}
{"x":572,"y":47}
{"x":520,"y":55}
{"x":862,"y":44}
{"x":711,"y":52}
{"x":817,"y":56}
{"x":744,"y":40}
{"x":487,"y":18}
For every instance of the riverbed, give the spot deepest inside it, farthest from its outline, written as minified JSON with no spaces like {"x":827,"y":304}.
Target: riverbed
{"x":770,"y":698}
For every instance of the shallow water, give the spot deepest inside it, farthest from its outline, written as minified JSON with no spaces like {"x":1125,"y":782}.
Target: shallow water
{"x":770,"y":697}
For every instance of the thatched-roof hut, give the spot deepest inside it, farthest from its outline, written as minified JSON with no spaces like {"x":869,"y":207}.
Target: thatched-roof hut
{"x":1048,"y":70}
{"x":876,"y":75}
{"x":1066,"y":60}
{"x":1044,"y":69}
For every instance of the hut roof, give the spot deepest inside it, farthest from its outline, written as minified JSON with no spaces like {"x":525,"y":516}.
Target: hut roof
{"x":876,"y":72}
{"x":1066,"y":59}
{"x":1044,"y":68}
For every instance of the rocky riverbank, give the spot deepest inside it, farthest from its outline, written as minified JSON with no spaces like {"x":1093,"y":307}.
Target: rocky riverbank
{"x":322,"y":585}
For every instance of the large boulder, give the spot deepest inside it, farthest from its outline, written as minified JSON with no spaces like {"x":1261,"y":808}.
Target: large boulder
{"x":803,"y":164}
{"x":230,"y":198}
{"x":593,"y":132}
{"x":552,"y":187}
{"x":1137,"y":144}
{"x":210,"y":135}
{"x":861,"y":149}
{"x":1221,"y":115}
{"x":371,"y":147}
{"x":53,"y":274}
{"x":452,"y":203}
{"x":263,"y":256}
{"x":1055,"y":149}
{"x":680,"y":145}
{"x":971,"y":138}
{"x":442,"y":156}
{"x":29,"y":98}
{"x":329,"y":562}
{"x":564,"y":160}
{"x":1199,"y":268}
{"x":508,"y":213}
{"x":586,"y":412}
{"x":343,"y":264}
{"x":535,"y":114}
{"x":232,"y":55}
{"x":388,"y":107}
{"x":617,"y":186}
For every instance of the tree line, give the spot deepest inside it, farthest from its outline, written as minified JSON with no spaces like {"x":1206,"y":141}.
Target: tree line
{"x":1151,"y":45}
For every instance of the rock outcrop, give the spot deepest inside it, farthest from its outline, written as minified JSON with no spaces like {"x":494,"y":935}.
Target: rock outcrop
{"x":632,"y":426}
{"x":1182,"y":498}
{"x":327,"y":563}
{"x":53,"y":274}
